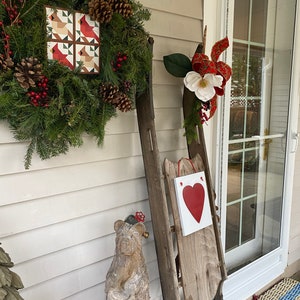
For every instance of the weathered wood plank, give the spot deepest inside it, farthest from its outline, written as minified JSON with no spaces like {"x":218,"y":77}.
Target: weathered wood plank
{"x":198,"y":257}
{"x":157,"y":197}
{"x":199,"y":147}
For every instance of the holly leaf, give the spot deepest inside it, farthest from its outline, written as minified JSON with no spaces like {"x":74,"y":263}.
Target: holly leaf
{"x":177,"y":64}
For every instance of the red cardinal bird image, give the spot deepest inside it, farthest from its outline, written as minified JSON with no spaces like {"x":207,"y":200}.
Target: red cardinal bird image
{"x":60,"y":57}
{"x":87,"y":30}
{"x":60,"y":30}
{"x":88,"y":61}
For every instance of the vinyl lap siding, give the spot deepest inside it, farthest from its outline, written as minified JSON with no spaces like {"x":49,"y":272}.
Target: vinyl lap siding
{"x":56,"y":219}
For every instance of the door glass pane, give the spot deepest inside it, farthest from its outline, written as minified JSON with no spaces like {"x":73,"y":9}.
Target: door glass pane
{"x":239,"y":70}
{"x":241,"y":16}
{"x":258,"y":20}
{"x":232,"y":228}
{"x":248,"y":220}
{"x":259,"y":106}
{"x":250,"y":179}
{"x":256,"y":56}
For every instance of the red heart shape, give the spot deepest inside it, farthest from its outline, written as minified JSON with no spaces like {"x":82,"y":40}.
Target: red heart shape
{"x":193,"y":197}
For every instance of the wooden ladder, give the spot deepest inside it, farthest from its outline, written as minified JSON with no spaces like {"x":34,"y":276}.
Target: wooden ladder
{"x":162,"y":229}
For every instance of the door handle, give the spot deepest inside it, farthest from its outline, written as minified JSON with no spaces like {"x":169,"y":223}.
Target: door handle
{"x":267,"y":138}
{"x":255,"y":138}
{"x":271,"y":136}
{"x":295,"y":137}
{"x":267,"y":142}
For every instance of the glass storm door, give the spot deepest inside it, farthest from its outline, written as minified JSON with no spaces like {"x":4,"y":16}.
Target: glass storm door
{"x":255,"y":141}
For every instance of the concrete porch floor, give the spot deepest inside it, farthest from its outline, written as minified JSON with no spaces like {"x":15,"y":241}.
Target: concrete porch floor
{"x":296,"y":276}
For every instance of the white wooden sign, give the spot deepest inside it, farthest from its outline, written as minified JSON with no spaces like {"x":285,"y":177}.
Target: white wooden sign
{"x":193,"y":202}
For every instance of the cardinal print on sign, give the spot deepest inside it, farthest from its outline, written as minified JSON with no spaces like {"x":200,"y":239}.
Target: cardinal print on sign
{"x":73,"y":40}
{"x":193,"y":202}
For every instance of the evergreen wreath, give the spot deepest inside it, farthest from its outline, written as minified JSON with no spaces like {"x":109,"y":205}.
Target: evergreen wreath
{"x":51,"y":106}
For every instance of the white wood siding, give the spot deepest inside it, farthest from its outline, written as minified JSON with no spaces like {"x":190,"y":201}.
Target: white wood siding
{"x":56,"y":219}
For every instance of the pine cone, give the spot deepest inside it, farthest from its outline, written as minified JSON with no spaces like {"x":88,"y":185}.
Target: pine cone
{"x":5,"y":63}
{"x":28,"y":72}
{"x":108,"y":92}
{"x":126,"y":86}
{"x":100,"y":11}
{"x":123,"y":102}
{"x":122,"y":7}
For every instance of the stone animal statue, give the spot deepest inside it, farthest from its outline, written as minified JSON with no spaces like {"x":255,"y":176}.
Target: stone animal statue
{"x":127,"y":277}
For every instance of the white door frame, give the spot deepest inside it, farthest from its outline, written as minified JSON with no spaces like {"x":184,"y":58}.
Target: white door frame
{"x":248,"y":280}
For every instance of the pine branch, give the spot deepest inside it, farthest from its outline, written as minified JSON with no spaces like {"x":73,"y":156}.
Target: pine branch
{"x":29,"y":9}
{"x":192,"y":121}
{"x":29,"y":153}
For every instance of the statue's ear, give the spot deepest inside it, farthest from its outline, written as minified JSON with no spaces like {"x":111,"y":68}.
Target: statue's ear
{"x":118,"y":224}
{"x":140,"y":227}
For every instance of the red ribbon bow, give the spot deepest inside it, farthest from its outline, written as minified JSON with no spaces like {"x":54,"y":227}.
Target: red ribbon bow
{"x":203,"y":65}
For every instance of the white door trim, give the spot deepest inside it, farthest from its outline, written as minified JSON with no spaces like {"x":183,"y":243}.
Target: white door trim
{"x":292,"y":133}
{"x":245,"y":282}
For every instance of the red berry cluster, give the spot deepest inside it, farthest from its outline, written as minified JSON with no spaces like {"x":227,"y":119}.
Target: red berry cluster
{"x":5,"y":38}
{"x":13,"y":10}
{"x":139,"y":216}
{"x":40,"y":97}
{"x":118,"y":62}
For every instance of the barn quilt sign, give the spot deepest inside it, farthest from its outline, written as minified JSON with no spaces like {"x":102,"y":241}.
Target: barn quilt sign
{"x":73,"y":40}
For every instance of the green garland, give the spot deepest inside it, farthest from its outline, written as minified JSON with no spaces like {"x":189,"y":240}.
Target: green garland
{"x":74,"y":103}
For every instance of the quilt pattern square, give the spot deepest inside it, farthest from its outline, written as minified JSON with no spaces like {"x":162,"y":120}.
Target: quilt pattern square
{"x":73,"y":40}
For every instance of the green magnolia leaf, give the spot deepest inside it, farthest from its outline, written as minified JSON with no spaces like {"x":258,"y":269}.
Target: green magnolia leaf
{"x":177,"y":64}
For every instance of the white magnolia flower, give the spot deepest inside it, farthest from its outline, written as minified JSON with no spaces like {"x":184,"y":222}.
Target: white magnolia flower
{"x":202,"y":86}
